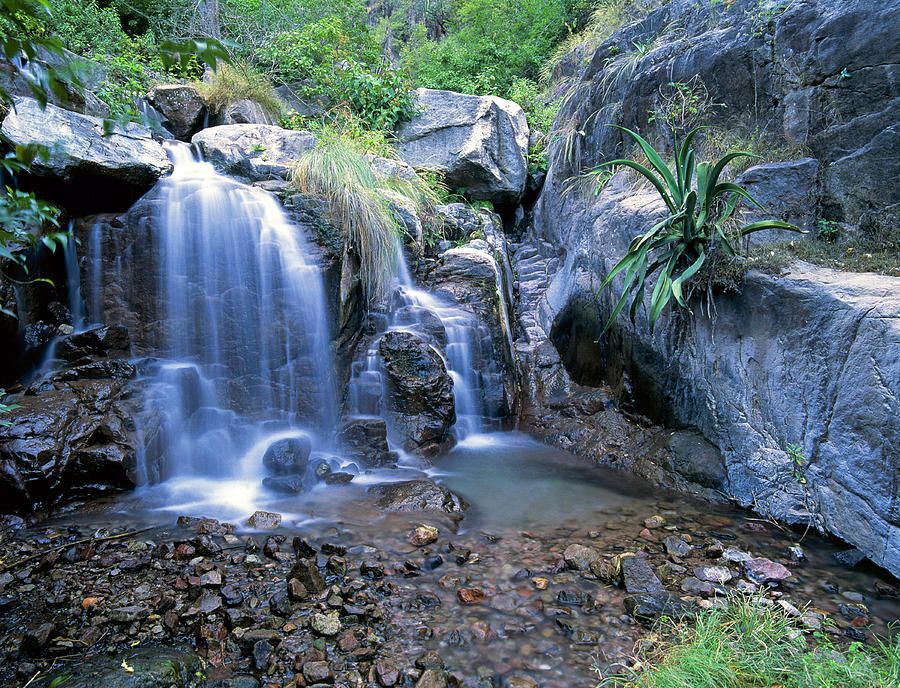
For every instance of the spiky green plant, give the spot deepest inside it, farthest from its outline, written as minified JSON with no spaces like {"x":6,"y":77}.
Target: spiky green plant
{"x":699,"y":206}
{"x":363,"y":204}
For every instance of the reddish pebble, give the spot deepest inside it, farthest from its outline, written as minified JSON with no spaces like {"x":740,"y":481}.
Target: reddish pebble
{"x":470,"y":595}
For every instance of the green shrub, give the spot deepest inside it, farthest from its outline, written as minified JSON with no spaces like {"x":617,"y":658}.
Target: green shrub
{"x":342,"y":125}
{"x":361,"y":203}
{"x":693,"y":230}
{"x":231,"y":83}
{"x":489,"y":44}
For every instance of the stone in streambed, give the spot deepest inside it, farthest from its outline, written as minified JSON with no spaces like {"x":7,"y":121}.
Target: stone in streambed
{"x":676,"y":546}
{"x":284,"y":484}
{"x":762,"y":570}
{"x":422,"y":535}
{"x":417,"y":495}
{"x":432,"y":678}
{"x":306,"y":572}
{"x":288,"y":456}
{"x":580,"y":557}
{"x":326,"y":624}
{"x":264,"y":520}
{"x":713,"y":574}
{"x":638,"y":576}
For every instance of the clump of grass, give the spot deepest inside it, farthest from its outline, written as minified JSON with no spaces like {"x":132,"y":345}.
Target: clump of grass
{"x":230,"y":83}
{"x":857,"y":255}
{"x":744,"y":643}
{"x":364,"y":204}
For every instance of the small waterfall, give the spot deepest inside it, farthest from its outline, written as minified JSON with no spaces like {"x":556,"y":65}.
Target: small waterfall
{"x":73,"y":284}
{"x":411,"y":308}
{"x":218,"y":290}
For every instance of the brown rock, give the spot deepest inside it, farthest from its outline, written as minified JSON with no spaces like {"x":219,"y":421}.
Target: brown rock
{"x":296,"y":590}
{"x":470,"y":595}
{"x":421,"y":536}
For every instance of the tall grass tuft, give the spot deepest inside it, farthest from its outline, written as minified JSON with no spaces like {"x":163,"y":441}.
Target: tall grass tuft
{"x":745,"y":643}
{"x":230,"y":83}
{"x":364,"y":204}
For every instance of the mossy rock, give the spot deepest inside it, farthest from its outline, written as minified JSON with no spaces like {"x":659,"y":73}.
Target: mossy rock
{"x":150,"y":667}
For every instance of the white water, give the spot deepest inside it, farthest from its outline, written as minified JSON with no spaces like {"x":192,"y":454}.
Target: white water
{"x":244,"y":350}
{"x":410,"y":307}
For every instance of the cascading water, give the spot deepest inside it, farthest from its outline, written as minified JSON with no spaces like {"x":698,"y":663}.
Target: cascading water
{"x":411,"y":308}
{"x":234,"y":313}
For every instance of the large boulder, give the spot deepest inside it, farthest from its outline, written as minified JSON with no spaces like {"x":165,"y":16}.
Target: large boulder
{"x":244,"y":111}
{"x":480,"y":142}
{"x":418,"y":495}
{"x":365,"y":439}
{"x":19,"y":80}
{"x":421,"y":391}
{"x":80,"y":152}
{"x":182,"y":106}
{"x":258,"y":151}
{"x":76,"y":437}
{"x":160,"y":667}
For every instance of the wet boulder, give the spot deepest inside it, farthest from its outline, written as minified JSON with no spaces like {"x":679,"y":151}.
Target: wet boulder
{"x":258,"y":151}
{"x":182,"y":106}
{"x":480,"y":142}
{"x":365,"y":440}
{"x":288,"y":456}
{"x":417,"y":495}
{"x":72,"y":435}
{"x":421,"y":391}
{"x":79,"y":150}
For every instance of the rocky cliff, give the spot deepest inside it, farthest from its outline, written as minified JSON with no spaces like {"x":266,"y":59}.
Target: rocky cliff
{"x":807,"y":359}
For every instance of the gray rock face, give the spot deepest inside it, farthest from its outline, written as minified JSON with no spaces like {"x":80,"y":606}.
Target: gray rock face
{"x":80,"y":151}
{"x":421,"y":391}
{"x":481,"y":142}
{"x":182,"y":106}
{"x":809,"y":358}
{"x":787,"y":191}
{"x":418,"y":495}
{"x":258,"y":151}
{"x":243,"y":111}
{"x":85,"y":102}
{"x":365,"y":439}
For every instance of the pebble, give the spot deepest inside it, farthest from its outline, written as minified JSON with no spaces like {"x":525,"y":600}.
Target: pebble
{"x":470,"y":595}
{"x":326,"y":624}
{"x":713,"y":574}
{"x":422,"y":535}
{"x":264,"y":520}
{"x":761,"y":570}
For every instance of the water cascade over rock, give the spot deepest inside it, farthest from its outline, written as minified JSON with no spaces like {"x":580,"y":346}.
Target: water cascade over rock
{"x":224,"y":301}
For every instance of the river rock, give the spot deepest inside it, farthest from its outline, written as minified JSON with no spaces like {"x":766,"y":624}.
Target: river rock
{"x":432,"y":678}
{"x":307,"y":574}
{"x":418,"y":495}
{"x":677,"y":546}
{"x":285,"y":484}
{"x":365,"y":440}
{"x":182,"y":106}
{"x":257,"y":151}
{"x":649,"y":606}
{"x":713,"y":574}
{"x":264,"y":520}
{"x":288,"y":456}
{"x":79,"y":151}
{"x":480,"y":142}
{"x":638,"y":576}
{"x":421,"y":391}
{"x":159,"y":667}
{"x":580,"y":557}
{"x":326,"y":624}
{"x":762,"y":570}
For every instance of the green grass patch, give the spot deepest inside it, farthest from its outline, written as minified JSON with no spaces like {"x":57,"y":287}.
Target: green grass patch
{"x":746,"y":644}
{"x":230,"y":83}
{"x":366,"y":204}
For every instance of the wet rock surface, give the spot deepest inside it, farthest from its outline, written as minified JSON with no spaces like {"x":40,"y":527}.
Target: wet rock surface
{"x":359,"y":605}
{"x":421,"y":391}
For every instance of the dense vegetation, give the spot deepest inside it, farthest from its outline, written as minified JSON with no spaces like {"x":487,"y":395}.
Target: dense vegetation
{"x":749,"y":642}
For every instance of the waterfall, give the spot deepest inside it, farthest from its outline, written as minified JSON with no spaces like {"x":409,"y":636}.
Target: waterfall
{"x":225,"y":301}
{"x":410,"y":307}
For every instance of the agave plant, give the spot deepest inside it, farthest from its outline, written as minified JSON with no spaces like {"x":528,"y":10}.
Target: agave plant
{"x":698,"y":206}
